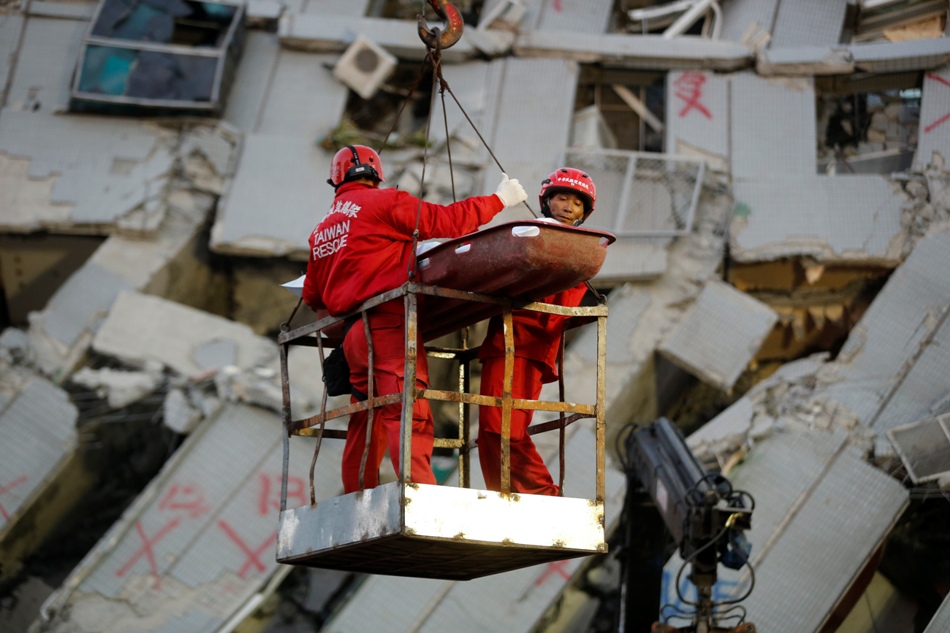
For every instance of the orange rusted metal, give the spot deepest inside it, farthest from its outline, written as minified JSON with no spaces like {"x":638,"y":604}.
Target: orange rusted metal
{"x":436,"y":39}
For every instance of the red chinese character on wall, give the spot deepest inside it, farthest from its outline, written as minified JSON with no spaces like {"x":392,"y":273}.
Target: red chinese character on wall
{"x":689,"y":88}
{"x":187,"y":499}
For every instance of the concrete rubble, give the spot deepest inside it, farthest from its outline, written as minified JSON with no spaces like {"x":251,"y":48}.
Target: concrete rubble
{"x":39,"y":436}
{"x":720,"y":334}
{"x":775,"y":173}
{"x":190,"y":552}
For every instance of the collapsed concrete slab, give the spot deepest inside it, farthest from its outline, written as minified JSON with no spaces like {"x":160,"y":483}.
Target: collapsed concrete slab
{"x":277,"y":197}
{"x":898,"y":338}
{"x":39,"y":439}
{"x":544,"y":16}
{"x":142,"y":329}
{"x":745,"y":15}
{"x":819,"y":509}
{"x":729,"y":121}
{"x":831,"y":219}
{"x":806,"y":60}
{"x":61,"y":333}
{"x":193,"y":550}
{"x":719,"y":335}
{"x":893,"y":57}
{"x":636,"y":51}
{"x":809,"y":23}
{"x":887,"y":373}
{"x":879,"y":57}
{"x":754,"y":415}
{"x":10,"y":28}
{"x":83,"y":174}
{"x":332,"y":34}
{"x":47,"y":56}
{"x":755,"y":106}
{"x":278,"y":191}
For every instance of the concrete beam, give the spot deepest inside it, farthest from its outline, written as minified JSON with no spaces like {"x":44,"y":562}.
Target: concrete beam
{"x":636,"y":51}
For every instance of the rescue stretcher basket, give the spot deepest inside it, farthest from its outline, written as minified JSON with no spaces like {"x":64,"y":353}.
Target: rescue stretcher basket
{"x":456,"y":532}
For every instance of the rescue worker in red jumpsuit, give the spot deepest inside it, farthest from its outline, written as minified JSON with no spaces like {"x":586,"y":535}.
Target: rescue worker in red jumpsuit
{"x":362,"y":248}
{"x":567,"y":196}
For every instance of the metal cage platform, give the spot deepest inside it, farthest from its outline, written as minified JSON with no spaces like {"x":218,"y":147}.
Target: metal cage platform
{"x":456,"y":532}
{"x":447,"y":533}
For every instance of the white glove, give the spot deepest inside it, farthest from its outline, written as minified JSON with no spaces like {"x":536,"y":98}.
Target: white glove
{"x":510,"y":192}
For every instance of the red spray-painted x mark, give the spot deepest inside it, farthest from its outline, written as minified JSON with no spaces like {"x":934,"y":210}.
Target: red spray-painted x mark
{"x":253,"y":556}
{"x":5,"y":489}
{"x":147,"y":545}
{"x":930,"y":128}
{"x":554,"y":567}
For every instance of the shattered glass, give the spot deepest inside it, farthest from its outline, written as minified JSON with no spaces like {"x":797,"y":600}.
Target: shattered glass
{"x":168,"y":21}
{"x":138,"y":50}
{"x":116,"y":71}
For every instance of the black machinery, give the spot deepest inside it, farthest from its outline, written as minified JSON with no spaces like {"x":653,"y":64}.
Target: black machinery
{"x":707,"y":520}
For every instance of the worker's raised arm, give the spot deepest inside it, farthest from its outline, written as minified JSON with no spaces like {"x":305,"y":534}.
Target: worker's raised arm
{"x":456,"y":219}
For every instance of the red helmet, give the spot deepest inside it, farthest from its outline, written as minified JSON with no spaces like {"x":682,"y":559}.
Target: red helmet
{"x":569,"y":180}
{"x":355,"y":161}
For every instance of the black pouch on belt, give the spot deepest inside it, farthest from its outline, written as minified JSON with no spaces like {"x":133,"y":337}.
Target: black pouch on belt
{"x":336,"y":371}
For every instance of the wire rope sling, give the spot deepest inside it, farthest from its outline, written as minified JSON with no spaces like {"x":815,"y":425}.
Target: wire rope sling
{"x":437,"y":531}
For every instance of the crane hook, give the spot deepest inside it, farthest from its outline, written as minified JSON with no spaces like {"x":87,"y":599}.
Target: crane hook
{"x":451,"y":34}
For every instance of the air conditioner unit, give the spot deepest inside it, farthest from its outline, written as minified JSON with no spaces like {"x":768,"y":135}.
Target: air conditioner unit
{"x":364,"y":66}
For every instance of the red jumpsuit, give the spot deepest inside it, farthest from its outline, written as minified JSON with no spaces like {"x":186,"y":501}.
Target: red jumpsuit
{"x":362,"y":248}
{"x":537,"y":338}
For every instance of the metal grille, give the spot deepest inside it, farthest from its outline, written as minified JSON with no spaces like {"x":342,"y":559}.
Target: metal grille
{"x":641,"y":194}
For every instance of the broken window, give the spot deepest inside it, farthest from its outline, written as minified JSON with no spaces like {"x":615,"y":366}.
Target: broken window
{"x":158,"y":57}
{"x":385,"y":114}
{"x":868,"y":125}
{"x":619,"y":109}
